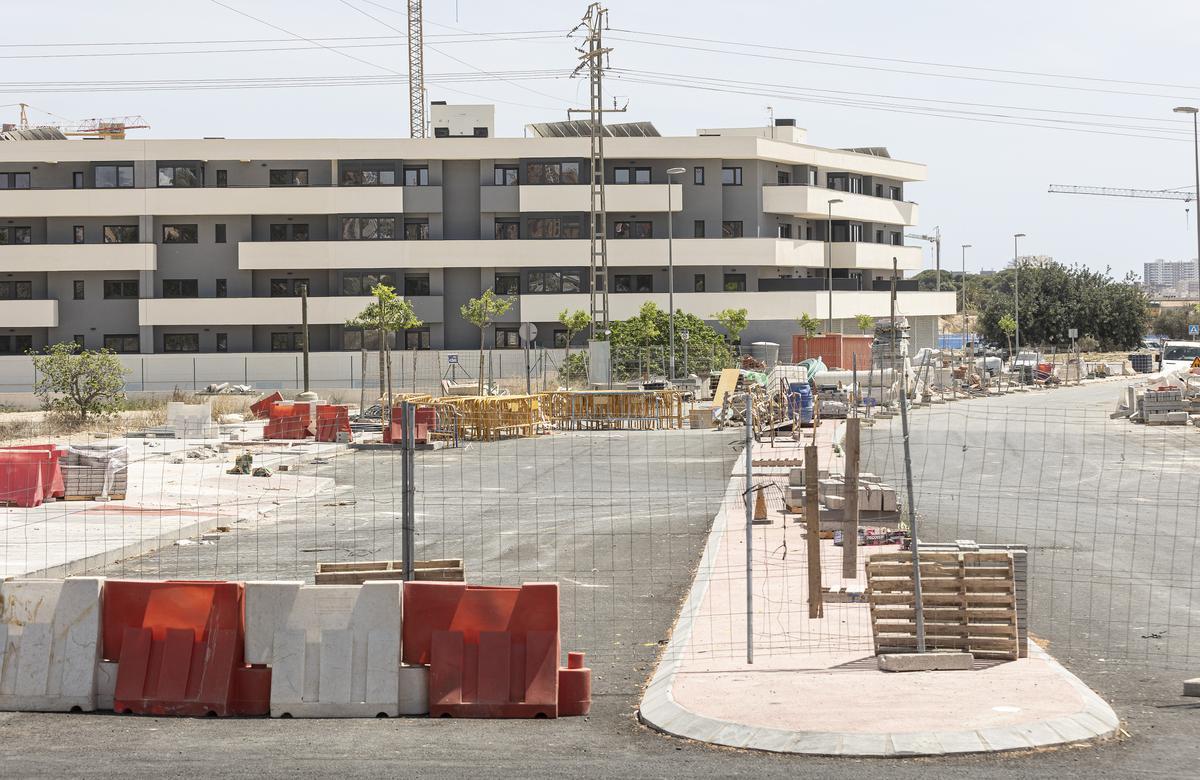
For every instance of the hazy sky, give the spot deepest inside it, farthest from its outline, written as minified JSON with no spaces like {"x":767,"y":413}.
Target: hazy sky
{"x":986,"y":180}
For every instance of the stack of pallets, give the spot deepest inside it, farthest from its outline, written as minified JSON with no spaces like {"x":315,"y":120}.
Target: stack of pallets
{"x":631,"y":410}
{"x":358,"y":572}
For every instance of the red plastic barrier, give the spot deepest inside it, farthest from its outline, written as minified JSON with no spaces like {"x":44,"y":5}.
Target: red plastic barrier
{"x":22,"y":477}
{"x":574,"y":687}
{"x":332,"y":420}
{"x":179,"y":649}
{"x":492,"y":652}
{"x":261,"y":408}
{"x":424,"y":421}
{"x":52,"y":479}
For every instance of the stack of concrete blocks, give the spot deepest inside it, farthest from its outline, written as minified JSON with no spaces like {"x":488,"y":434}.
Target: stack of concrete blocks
{"x":1020,"y":558}
{"x":95,"y":470}
{"x":334,"y":650}
{"x":873,"y":495}
{"x":1164,"y":407}
{"x":49,"y":644}
{"x":794,"y":499}
{"x":192,"y":421}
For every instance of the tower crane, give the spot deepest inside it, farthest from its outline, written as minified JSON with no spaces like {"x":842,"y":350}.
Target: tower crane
{"x":106,"y":128}
{"x":1123,"y":192}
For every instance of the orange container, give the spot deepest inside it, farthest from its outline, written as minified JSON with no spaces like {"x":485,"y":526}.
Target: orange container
{"x":836,"y":350}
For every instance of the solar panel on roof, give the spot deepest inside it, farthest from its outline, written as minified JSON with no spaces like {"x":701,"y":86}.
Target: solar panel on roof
{"x":582,"y":128}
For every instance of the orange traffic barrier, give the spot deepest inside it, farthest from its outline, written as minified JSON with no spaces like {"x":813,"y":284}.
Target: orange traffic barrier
{"x":289,"y":420}
{"x":424,"y":423}
{"x":262,"y":407}
{"x":52,"y":478}
{"x":23,"y":477}
{"x":178,"y":646}
{"x":332,"y":419}
{"x":574,"y":687}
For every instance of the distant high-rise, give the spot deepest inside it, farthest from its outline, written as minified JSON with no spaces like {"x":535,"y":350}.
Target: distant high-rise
{"x":1171,"y":276}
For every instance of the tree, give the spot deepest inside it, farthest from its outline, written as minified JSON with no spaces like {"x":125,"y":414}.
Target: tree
{"x":734,"y":321}
{"x":1008,"y":326}
{"x":387,"y":314}
{"x":865,"y":322}
{"x":79,"y":382}
{"x":574,"y":323}
{"x":810,"y":325}
{"x":481,"y":312}
{"x":705,"y":349}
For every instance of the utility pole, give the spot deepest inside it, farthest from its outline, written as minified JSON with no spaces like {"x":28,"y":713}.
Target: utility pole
{"x":1196,"y":157}
{"x":1017,"y":291}
{"x":304,"y":329}
{"x":936,"y":239}
{"x":416,"y":71}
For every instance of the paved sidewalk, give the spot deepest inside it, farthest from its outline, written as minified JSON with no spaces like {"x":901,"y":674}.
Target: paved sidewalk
{"x":814,"y":686}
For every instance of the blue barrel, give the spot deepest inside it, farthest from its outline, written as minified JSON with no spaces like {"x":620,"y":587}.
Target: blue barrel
{"x":800,"y":401}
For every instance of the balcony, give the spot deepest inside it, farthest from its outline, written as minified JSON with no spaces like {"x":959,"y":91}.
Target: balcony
{"x":619,"y":198}
{"x":27,"y":258}
{"x":29,"y":314}
{"x":813,"y":203}
{"x":333,"y":310}
{"x":206,"y":201}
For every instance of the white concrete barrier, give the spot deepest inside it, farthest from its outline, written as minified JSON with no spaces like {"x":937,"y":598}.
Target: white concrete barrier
{"x":334,"y":650}
{"x":49,"y":644}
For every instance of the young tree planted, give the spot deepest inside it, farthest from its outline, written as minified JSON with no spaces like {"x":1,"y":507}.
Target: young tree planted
{"x":482,"y":312}
{"x":734,"y":321}
{"x":865,"y":322}
{"x":79,"y":382}
{"x":811,"y":327}
{"x":574,"y":323}
{"x":388,"y":313}
{"x":1008,"y":326}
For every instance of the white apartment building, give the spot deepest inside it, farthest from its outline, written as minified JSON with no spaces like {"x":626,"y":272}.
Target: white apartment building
{"x":1173,"y":278}
{"x":184,"y":246}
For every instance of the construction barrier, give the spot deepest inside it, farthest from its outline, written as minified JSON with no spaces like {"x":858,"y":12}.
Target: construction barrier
{"x":334,"y":651}
{"x":27,"y":477}
{"x":178,"y":647}
{"x":492,"y":651}
{"x":288,"y":420}
{"x":333,"y":420}
{"x":261,"y":409}
{"x":424,"y":423}
{"x":492,"y":417}
{"x":574,"y":687}
{"x":49,"y":644}
{"x":52,"y":478}
{"x":631,"y":410}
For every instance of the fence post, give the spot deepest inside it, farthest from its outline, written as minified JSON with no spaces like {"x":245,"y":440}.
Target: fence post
{"x":749,"y":500}
{"x":812,"y":524}
{"x":850,"y":526}
{"x":408,"y":474}
{"x":193,"y":375}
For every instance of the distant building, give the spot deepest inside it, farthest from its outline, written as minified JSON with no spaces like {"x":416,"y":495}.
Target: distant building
{"x":1171,"y":278}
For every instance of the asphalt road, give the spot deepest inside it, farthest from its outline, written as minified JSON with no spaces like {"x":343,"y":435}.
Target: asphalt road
{"x":618,"y":519}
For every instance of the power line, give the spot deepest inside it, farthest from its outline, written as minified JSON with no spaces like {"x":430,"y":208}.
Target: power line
{"x":233,"y":41}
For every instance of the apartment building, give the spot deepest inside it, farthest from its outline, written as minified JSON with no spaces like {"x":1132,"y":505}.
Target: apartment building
{"x":178,"y":246}
{"x":1171,"y":278}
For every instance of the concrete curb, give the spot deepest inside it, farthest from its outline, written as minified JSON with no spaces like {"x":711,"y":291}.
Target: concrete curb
{"x":661,"y":712}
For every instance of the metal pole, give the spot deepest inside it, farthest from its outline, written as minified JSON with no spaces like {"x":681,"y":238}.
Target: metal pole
{"x":528,"y":389}
{"x":918,"y":607}
{"x":670,"y":283}
{"x":408,"y":519}
{"x":829,"y":266}
{"x":304,"y":329}
{"x":966,"y":329}
{"x":749,"y":495}
{"x":1017,"y":291}
{"x":1196,"y":157}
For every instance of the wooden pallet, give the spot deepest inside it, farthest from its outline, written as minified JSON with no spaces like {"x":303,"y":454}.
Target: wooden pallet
{"x":111,"y":497}
{"x":358,"y":572}
{"x":968,"y":599}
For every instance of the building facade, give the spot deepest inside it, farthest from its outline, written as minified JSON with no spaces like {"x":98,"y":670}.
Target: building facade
{"x":184,"y":246}
{"x":1171,"y":278}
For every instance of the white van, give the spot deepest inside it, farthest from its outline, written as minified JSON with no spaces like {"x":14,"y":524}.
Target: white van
{"x":1178,"y":355}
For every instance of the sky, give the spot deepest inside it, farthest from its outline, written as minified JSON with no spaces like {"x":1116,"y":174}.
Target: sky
{"x":999,"y":100}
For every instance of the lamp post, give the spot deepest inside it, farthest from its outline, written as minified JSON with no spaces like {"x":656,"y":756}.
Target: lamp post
{"x":1196,"y":156}
{"x":683,"y":336}
{"x":966,"y":328}
{"x":829,"y":261}
{"x":671,"y":174}
{"x":1017,"y":290}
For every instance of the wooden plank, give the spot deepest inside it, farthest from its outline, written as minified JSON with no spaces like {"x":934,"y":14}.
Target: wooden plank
{"x":438,"y":563}
{"x":726,"y":385}
{"x":359,"y":577}
{"x":850,"y":530}
{"x":812,"y":520}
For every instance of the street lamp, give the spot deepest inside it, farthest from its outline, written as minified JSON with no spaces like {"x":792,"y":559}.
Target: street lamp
{"x":829,"y":261}
{"x":683,"y":336}
{"x":966,"y":328}
{"x":1017,"y":290}
{"x":1196,"y":148}
{"x":671,"y":172}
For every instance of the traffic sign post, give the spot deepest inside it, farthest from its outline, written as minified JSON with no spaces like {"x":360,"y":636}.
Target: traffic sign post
{"x":1194,"y":330}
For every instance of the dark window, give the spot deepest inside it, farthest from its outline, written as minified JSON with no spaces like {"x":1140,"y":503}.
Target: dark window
{"x":783,"y":177}
{"x":879,"y":190}
{"x":79,"y":340}
{"x":287,"y":342}
{"x":222,"y":342}
{"x":479,"y":132}
{"x":441,"y":132}
{"x":416,"y":284}
{"x":507,"y":175}
{"x":507,"y":338}
{"x":878,"y":236}
{"x":698,"y":175}
{"x":15,"y":345}
{"x":416,"y":229}
{"x":77,"y":234}
{"x":77,"y":180}
{"x":559,"y":338}
{"x":120,"y":289}
{"x":179,"y":176}
{"x":109,"y":176}
{"x":631,"y":175}
{"x":289,"y":232}
{"x":16,"y":291}
{"x":181,"y":288}
{"x":222,"y":288}
{"x":181,"y":342}
{"x":289,"y":177}
{"x":287,"y":288}
{"x":15,"y":235}
{"x":364,"y":283}
{"x":894,"y":193}
{"x":633,"y":283}
{"x":844,"y":182}
{"x":731,"y":176}
{"x":120,"y":234}
{"x":627,"y":229}
{"x":544,"y":227}
{"x":840,"y":232}
{"x":507,"y":284}
{"x":77,"y":288}
{"x":572,"y":228}
{"x":554,"y":282}
{"x":368,"y":228}
{"x":856,"y":231}
{"x":222,"y":177}
{"x":368,"y":177}
{"x":897,"y":239}
{"x":417,"y":176}
{"x":180,"y":234}
{"x":698,"y":229}
{"x":508,"y":229}
{"x":122,"y":342}
{"x":14,"y":181}
{"x":219,"y":233}
{"x":785,"y":230}
{"x":735,"y":283}
{"x":416,"y":338}
{"x":731,"y":229}
{"x":698,"y":283}
{"x":552,"y":173}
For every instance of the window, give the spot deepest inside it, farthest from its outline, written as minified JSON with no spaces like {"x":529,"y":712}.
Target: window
{"x":179,"y":176}
{"x":368,"y":228}
{"x":222,"y":342}
{"x":856,"y":231}
{"x":15,"y":345}
{"x":222,"y":288}
{"x":897,"y":240}
{"x":555,"y":282}
{"x":16,"y":291}
{"x":507,"y":175}
{"x":180,"y":234}
{"x":416,"y":229}
{"x":109,"y":176}
{"x":219,"y":233}
{"x":734,"y":283}
{"x":15,"y":235}
{"x":181,"y":342}
{"x":559,"y":338}
{"x":289,"y":232}
{"x":119,"y":289}
{"x":631,"y":175}
{"x":627,"y":229}
{"x":288,"y":177}
{"x":441,"y":132}
{"x":416,"y":284}
{"x":368,"y":177}
{"x":783,"y":177}
{"x":544,"y":227}
{"x":364,"y":283}
{"x":812,"y":177}
{"x":894,"y":193}
{"x":571,"y":228}
{"x":698,"y":283}
{"x":844,"y":182}
{"x":508,"y":229}
{"x":507,"y":284}
{"x":181,"y":288}
{"x":698,"y":229}
{"x":287,"y":288}
{"x":731,"y":229}
{"x":120,"y":234}
{"x":79,"y":340}
{"x":416,"y":338}
{"x":879,"y":190}
{"x":122,"y":342}
{"x":77,"y":180}
{"x":785,"y":230}
{"x":634,"y":283}
{"x":479,"y":132}
{"x":222,"y":177}
{"x":552,"y":173}
{"x":14,"y":181}
{"x":698,"y":175}
{"x":77,"y":234}
{"x":417,"y":176}
{"x":77,"y":289}
{"x":507,"y":338}
{"x":287,"y":342}
{"x":731,"y":176}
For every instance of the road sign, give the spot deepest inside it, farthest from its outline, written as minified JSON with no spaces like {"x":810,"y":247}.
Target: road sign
{"x":1194,"y":330}
{"x":452,"y":359}
{"x":1072,"y":333}
{"x":527,"y":332}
